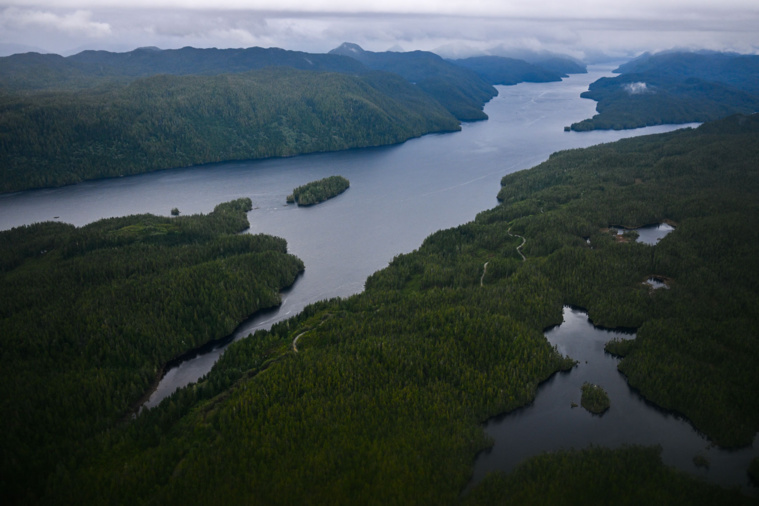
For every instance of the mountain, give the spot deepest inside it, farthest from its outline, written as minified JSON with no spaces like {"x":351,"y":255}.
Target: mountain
{"x":458,"y":89}
{"x":556,"y":62}
{"x":33,"y":71}
{"x":507,"y":71}
{"x":167,"y":121}
{"x":675,"y":87}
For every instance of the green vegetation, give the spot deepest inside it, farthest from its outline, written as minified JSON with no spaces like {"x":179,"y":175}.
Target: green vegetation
{"x":381,"y":402}
{"x":460,"y":90}
{"x":96,"y":69}
{"x":165,"y":121}
{"x":507,"y":71}
{"x":628,"y":476}
{"x":675,"y":88}
{"x":594,"y":399}
{"x":753,"y":471}
{"x":318,"y":191}
{"x":90,"y":316}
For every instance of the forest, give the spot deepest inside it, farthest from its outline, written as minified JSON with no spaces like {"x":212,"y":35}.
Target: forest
{"x":674,"y":87}
{"x":101,"y":114}
{"x":318,"y":191}
{"x":382,"y":399}
{"x":91,"y":315}
{"x":159,"y":122}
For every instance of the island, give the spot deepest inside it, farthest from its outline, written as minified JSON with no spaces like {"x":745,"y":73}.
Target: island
{"x":594,"y":399}
{"x":318,"y":191}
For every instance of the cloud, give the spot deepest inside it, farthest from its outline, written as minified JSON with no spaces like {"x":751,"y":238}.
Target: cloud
{"x":638,"y":88}
{"x":453,"y":27}
{"x":78,"y":22}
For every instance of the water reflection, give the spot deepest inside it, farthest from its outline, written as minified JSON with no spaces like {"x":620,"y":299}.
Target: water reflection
{"x":550,"y":423}
{"x":650,"y":234}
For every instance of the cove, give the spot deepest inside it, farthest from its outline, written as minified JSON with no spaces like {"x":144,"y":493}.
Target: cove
{"x":399,"y":195}
{"x":650,"y":234}
{"x":550,"y":423}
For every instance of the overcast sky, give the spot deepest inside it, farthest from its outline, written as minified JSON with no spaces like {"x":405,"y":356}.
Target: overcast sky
{"x":582,"y":28}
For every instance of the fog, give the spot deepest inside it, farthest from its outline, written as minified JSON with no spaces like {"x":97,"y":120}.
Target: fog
{"x":591,"y":30}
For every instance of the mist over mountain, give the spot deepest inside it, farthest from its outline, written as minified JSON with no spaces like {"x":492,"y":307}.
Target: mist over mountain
{"x":675,"y":87}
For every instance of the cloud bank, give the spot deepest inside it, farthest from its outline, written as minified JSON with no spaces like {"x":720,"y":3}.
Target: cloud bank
{"x":454,"y":28}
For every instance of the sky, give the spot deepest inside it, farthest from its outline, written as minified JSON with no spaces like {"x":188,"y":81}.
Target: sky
{"x":587,"y":29}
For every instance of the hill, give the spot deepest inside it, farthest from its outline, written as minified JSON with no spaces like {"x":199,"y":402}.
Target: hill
{"x":458,"y":89}
{"x":507,"y":71}
{"x":675,"y":87}
{"x":54,"y":138}
{"x":33,"y":72}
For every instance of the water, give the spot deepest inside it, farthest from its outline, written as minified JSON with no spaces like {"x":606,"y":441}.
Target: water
{"x":650,"y":234}
{"x":398,"y":195}
{"x":630,"y":419}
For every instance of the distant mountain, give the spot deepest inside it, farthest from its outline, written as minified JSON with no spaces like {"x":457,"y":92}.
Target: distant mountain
{"x":556,"y":62}
{"x":458,"y":89}
{"x":33,"y":71}
{"x":735,"y":70}
{"x":675,"y":87}
{"x":507,"y":71}
{"x":7,"y":49}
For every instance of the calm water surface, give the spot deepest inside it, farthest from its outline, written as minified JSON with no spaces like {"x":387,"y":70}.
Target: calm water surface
{"x":550,"y":423}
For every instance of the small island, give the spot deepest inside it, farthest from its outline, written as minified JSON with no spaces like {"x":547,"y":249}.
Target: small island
{"x":318,"y":191}
{"x":594,"y":399}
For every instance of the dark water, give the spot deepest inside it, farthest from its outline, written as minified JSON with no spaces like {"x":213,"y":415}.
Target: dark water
{"x":551,"y":423}
{"x":398,"y":195}
{"x":650,"y":234}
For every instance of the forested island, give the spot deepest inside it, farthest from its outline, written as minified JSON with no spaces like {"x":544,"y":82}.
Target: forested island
{"x":318,"y":191}
{"x":674,"y":87}
{"x":594,"y":398}
{"x":382,"y":400}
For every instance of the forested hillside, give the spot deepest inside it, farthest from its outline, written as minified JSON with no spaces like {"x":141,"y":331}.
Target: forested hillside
{"x":507,"y":71}
{"x":90,"y":316}
{"x":675,"y":88}
{"x":165,"y":121}
{"x":377,"y":398}
{"x":458,"y":89}
{"x":90,"y":69}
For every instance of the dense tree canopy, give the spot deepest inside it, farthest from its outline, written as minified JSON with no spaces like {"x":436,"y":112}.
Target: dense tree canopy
{"x":380,"y":400}
{"x":159,"y":122}
{"x":674,"y":88}
{"x":90,"y":316}
{"x":319,"y":191}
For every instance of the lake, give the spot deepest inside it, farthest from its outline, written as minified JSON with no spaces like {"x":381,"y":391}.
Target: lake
{"x":551,"y":422}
